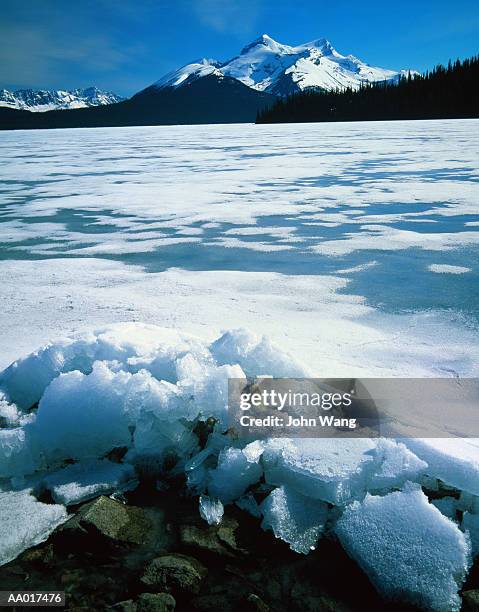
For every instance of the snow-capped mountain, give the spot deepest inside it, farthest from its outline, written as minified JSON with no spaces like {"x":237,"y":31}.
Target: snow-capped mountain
{"x":271,"y":67}
{"x":43,"y":100}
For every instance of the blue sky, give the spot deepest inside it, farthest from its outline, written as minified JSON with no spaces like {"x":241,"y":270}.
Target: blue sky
{"x":125,"y":45}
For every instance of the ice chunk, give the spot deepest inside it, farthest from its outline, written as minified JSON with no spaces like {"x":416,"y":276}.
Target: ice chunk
{"x":159,"y":439}
{"x":468,"y":502}
{"x":143,"y":394}
{"x":396,"y":465}
{"x":470,"y":524}
{"x":18,"y":452}
{"x":256,"y":355}
{"x":211,"y":510}
{"x":249,"y":504}
{"x":254,"y":450}
{"x":197,"y":467}
{"x":410,"y":551}
{"x":333,"y":470}
{"x":455,"y":461}
{"x":208,"y":390}
{"x":9,"y":413}
{"x":25,"y":522}
{"x":197,"y":479}
{"x":81,"y":481}
{"x":233,"y":475}
{"x":26,"y":379}
{"x":296,"y":519}
{"x":81,"y":417}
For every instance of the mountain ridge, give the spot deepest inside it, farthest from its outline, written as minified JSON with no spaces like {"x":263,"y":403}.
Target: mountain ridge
{"x":273,"y":67}
{"x":43,"y":100}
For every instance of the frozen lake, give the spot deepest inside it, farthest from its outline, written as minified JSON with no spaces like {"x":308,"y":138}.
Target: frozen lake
{"x":354,"y":246}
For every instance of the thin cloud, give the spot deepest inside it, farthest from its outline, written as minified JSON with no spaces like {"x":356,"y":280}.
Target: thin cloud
{"x":229,"y":16}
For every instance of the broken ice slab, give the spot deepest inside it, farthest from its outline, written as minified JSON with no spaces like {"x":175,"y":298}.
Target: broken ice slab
{"x":396,"y":464}
{"x":339,"y":470}
{"x":18,"y":452}
{"x":455,"y":461}
{"x":25,"y":522}
{"x":233,"y":475}
{"x":249,"y":504}
{"x":82,"y":481}
{"x":296,"y":519}
{"x":333,"y":470}
{"x":410,"y":551}
{"x":211,"y":510}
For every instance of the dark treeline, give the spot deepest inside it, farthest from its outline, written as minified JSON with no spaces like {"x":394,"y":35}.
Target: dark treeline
{"x":444,"y":92}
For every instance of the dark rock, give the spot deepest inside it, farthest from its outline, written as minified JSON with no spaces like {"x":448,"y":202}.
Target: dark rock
{"x":116,"y":454}
{"x":213,"y":603}
{"x":124,"y":606}
{"x":174,"y":573}
{"x":217,"y":539}
{"x":305,"y":599}
{"x":155,"y":602}
{"x":470,"y":601}
{"x":108,"y":519}
{"x":254,"y":603}
{"x":40,"y":555}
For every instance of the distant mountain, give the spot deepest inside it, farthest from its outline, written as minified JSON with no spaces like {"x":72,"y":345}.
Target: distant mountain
{"x":213,"y":99}
{"x":43,"y":100}
{"x":204,"y":91}
{"x":268,"y":66}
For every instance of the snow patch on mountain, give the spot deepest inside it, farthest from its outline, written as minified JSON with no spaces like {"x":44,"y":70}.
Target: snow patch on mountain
{"x":45,"y":100}
{"x":189,"y":73}
{"x":272,"y":67}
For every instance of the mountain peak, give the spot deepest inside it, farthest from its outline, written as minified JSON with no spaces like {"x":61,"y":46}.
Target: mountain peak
{"x":264,"y":41}
{"x":269,"y":66}
{"x":323,"y":44}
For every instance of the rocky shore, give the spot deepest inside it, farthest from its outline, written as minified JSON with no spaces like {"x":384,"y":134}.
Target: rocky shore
{"x":150,"y":551}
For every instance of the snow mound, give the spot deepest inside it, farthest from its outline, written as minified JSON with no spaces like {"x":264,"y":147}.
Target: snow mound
{"x":407,"y":547}
{"x":131,"y":385}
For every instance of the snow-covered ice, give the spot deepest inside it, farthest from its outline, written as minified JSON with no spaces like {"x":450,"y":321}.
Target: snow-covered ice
{"x":25,"y":522}
{"x":300,"y":233}
{"x":408,"y":548}
{"x":445,"y":269}
{"x":79,"y":482}
{"x":306,"y":228}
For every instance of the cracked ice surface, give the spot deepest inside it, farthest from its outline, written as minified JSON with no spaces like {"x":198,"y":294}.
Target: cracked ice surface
{"x":309,"y":229}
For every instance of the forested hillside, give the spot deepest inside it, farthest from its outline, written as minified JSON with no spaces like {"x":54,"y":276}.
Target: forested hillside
{"x":444,"y":92}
